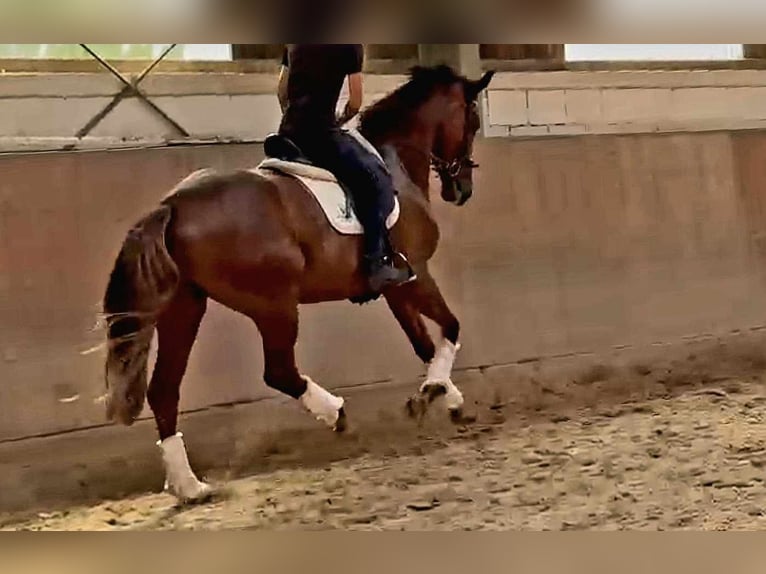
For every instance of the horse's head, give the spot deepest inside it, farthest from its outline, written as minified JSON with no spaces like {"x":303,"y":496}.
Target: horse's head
{"x":452,"y":154}
{"x":432,"y":117}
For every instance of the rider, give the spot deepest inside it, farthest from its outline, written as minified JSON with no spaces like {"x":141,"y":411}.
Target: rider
{"x":310,"y":82}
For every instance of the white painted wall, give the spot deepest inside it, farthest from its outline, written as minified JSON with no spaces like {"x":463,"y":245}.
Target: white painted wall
{"x":206,"y":52}
{"x":46,"y":111}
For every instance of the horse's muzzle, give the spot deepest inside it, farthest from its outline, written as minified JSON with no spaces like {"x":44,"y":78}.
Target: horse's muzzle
{"x":463,"y":192}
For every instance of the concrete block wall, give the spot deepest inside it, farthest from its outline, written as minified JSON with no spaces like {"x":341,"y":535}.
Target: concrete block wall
{"x":532,"y":104}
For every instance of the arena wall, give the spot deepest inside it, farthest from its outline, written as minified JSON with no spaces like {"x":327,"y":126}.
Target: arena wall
{"x":572,"y":244}
{"x":46,"y":111}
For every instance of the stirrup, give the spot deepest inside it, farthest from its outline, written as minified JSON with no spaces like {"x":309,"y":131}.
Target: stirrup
{"x":411,"y":271}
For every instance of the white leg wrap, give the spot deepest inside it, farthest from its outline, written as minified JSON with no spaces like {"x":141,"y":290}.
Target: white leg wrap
{"x":180,"y":480}
{"x":440,"y":372}
{"x":322,"y":404}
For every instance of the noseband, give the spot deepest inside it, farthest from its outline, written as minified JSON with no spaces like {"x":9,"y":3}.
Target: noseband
{"x":451,"y":168}
{"x":442,"y":166}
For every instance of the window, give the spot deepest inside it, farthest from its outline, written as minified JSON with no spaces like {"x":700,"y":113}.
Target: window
{"x":186,"y":52}
{"x":652,"y":52}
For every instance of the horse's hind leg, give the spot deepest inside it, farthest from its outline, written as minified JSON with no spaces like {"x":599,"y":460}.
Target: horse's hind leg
{"x":177,"y":329}
{"x":278,"y":324}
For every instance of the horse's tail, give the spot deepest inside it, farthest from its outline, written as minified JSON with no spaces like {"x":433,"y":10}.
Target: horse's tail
{"x":144,"y":279}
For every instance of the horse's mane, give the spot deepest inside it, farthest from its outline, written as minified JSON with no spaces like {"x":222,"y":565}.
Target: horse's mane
{"x":395,"y":110}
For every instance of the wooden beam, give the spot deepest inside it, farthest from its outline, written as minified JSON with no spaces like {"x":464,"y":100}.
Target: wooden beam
{"x":391,"y":51}
{"x":533,"y":57}
{"x":257,"y":51}
{"x":522,"y":52}
{"x":372,"y":51}
{"x":756,"y":51}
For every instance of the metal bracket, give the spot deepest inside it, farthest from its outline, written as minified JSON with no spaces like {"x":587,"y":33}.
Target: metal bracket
{"x":130,"y":89}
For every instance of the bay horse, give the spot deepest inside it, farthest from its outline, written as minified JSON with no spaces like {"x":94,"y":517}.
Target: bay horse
{"x":258,"y":243}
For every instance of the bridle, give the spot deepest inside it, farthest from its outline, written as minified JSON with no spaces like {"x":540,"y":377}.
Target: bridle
{"x":452,"y":168}
{"x":440,"y":165}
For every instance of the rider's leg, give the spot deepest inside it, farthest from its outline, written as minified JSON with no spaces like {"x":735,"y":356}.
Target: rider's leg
{"x":372,"y":191}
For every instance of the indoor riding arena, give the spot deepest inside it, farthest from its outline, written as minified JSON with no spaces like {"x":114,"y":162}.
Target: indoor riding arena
{"x":609,"y":275}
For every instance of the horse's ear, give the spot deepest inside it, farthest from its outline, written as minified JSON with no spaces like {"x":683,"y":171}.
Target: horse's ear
{"x":485,"y":80}
{"x":416,"y":71}
{"x":475,"y":88}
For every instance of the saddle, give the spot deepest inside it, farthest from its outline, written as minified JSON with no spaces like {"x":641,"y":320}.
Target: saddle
{"x":280,"y":147}
{"x":285,"y":156}
{"x":277,"y":146}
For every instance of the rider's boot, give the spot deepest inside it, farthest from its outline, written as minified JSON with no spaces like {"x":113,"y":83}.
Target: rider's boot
{"x":380,"y":263}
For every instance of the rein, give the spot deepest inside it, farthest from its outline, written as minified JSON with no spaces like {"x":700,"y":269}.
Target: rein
{"x":440,"y":165}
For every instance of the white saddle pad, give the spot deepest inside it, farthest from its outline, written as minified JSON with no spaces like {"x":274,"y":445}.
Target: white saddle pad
{"x":324,"y":187}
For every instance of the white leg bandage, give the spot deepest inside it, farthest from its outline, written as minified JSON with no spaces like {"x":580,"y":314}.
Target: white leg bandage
{"x":322,"y":404}
{"x":440,"y":372}
{"x":180,"y":479}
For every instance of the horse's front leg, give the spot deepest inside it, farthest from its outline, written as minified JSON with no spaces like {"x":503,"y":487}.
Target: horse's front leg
{"x":408,"y":303}
{"x":401,"y":302}
{"x":432,"y":305}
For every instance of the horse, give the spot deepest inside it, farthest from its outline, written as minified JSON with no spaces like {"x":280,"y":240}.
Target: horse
{"x":260,"y":243}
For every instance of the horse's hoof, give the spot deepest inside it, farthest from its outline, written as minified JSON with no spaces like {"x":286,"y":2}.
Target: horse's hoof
{"x":342,"y":423}
{"x":458,"y":417}
{"x":433,"y":391}
{"x":205,"y":494}
{"x":416,"y":408}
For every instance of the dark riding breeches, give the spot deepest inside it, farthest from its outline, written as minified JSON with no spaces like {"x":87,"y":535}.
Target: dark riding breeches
{"x":368,"y":182}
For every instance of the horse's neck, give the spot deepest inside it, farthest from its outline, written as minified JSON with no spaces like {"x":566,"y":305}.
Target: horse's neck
{"x":417,"y":232}
{"x":409,"y":176}
{"x":413,"y":197}
{"x":408,"y":158}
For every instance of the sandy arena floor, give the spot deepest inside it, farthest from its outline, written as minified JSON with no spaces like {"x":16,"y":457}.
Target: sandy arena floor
{"x":693,"y":458}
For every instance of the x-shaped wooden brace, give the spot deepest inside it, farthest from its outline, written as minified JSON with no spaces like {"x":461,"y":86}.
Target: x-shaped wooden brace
{"x":130,"y":89}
